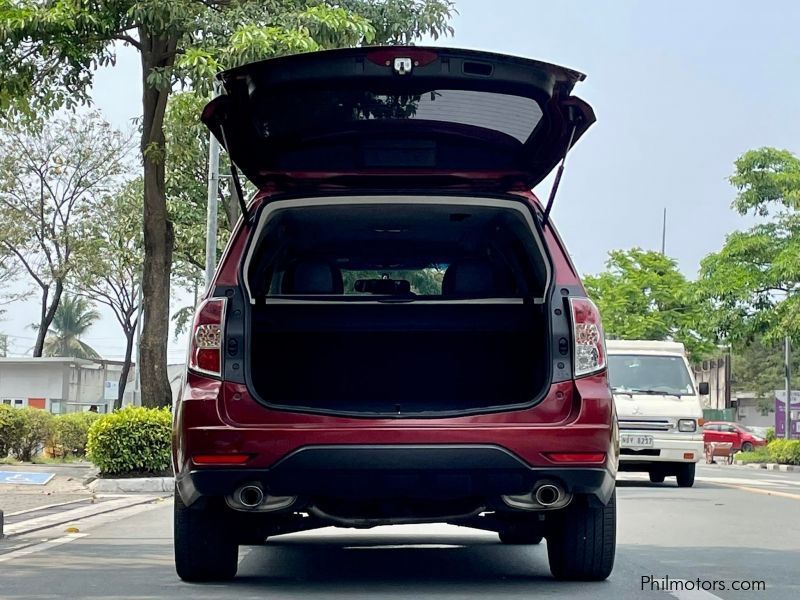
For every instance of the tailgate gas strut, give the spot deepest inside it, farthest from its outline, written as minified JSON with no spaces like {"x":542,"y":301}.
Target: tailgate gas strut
{"x":237,"y":184}
{"x":559,"y":172}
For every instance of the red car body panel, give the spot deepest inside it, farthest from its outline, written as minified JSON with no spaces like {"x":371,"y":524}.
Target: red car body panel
{"x":738,"y":438}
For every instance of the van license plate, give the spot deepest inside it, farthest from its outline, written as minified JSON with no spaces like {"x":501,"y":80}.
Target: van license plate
{"x":636,"y":441}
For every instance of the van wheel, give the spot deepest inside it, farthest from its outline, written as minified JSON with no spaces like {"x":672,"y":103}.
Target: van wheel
{"x":685,"y":475}
{"x":583,"y":541}
{"x":657,"y":476}
{"x":204,"y":550}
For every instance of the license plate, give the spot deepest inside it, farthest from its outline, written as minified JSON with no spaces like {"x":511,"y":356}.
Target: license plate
{"x":636,"y":441}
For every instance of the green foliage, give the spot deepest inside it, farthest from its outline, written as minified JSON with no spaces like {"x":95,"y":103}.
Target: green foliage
{"x":764,"y":177}
{"x":643,"y":296}
{"x":29,"y":430}
{"x":757,"y":366}
{"x":770,"y":434}
{"x":785,"y":452}
{"x":5,"y":429}
{"x":759,"y":455}
{"x":754,"y":280}
{"x":74,"y":316}
{"x":131,"y":440}
{"x":70,"y":432}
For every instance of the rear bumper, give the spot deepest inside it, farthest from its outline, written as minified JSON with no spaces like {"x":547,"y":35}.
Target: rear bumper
{"x":397,"y":471}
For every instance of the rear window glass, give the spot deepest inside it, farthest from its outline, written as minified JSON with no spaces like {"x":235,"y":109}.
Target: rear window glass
{"x":422,"y":282}
{"x":319,"y":110}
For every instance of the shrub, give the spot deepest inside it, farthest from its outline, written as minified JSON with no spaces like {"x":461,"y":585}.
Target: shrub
{"x":133,"y":440}
{"x":70,"y":432}
{"x":30,"y":429}
{"x":770,"y":434}
{"x":5,"y":429}
{"x":758,"y":455}
{"x":786,"y":452}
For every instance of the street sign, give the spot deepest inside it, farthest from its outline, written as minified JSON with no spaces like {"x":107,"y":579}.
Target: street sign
{"x":111,"y":390}
{"x":25,"y":478}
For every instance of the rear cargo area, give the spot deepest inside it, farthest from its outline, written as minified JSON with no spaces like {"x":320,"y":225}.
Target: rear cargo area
{"x":397,"y":307}
{"x":397,"y":359}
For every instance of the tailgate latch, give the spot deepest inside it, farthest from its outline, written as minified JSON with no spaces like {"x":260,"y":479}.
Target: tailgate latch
{"x":402,"y":66}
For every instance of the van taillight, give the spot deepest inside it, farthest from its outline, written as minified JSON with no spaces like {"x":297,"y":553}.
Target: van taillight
{"x":205,"y":350}
{"x":589,"y":346}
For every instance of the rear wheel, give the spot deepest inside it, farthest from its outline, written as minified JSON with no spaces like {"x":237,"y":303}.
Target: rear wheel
{"x":583,"y":541}
{"x":204,"y":547}
{"x":657,"y":476}
{"x":685,"y":475}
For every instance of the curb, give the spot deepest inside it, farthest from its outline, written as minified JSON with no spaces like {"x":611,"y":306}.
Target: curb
{"x":769,"y":467}
{"x":133,"y":485}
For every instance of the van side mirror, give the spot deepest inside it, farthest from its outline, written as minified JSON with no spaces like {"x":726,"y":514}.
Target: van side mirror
{"x":702,"y":388}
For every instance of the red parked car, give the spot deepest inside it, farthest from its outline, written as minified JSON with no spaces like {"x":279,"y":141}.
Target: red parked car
{"x":734,"y":433}
{"x":395,"y":332}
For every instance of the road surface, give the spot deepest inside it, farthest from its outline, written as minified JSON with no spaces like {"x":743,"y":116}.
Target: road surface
{"x":737,"y":526}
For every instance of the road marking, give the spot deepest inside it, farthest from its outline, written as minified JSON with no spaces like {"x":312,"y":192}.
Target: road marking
{"x":25,"y":477}
{"x":49,"y":544}
{"x":691,"y":594}
{"x":760,"y":491}
{"x":46,"y":506}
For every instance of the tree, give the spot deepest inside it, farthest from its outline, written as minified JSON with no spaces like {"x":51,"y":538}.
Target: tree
{"x":757,"y":366}
{"x":110,"y":270}
{"x":48,"y":180}
{"x":643,"y":296}
{"x":754,"y":280}
{"x":48,"y":53}
{"x":73,"y":318}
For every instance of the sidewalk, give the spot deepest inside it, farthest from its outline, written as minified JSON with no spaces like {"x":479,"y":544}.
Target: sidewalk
{"x":66,"y":486}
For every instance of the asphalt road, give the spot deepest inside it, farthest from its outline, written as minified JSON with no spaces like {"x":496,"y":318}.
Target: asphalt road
{"x":735,"y":525}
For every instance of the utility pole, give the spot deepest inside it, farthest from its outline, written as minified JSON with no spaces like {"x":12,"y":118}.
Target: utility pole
{"x":213,"y":196}
{"x":787,"y":357}
{"x":664,"y":233}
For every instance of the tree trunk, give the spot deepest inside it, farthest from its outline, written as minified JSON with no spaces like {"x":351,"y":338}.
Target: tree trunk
{"x":126,"y":367}
{"x":48,"y":312}
{"x":158,"y":52}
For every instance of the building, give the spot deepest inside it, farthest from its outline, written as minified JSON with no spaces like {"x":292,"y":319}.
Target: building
{"x":717,"y":373}
{"x":61,"y":384}
{"x":754,"y":411}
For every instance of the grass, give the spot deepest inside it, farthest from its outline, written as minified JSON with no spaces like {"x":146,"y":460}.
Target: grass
{"x":760,"y":455}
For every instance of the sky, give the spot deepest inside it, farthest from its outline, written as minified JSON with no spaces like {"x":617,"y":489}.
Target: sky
{"x":680,"y":89}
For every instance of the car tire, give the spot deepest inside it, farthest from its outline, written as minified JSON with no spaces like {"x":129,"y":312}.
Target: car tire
{"x":583,"y":540}
{"x":204,"y":548}
{"x":685,"y":475}
{"x":747,"y":447}
{"x":657,"y":476}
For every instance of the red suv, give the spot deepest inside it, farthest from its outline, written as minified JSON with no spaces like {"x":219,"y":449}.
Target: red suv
{"x":396,"y":333}
{"x":733,"y":433}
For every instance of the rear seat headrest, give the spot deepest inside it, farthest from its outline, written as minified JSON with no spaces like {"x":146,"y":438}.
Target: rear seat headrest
{"x":473,"y":277}
{"x":313,"y":276}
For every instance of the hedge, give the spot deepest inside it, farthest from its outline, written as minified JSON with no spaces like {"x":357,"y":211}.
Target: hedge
{"x":26,"y":431}
{"x":133,"y":440}
{"x":786,"y":452}
{"x":5,"y":429}
{"x":70,"y":433}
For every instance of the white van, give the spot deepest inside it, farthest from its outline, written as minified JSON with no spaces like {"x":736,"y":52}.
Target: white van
{"x":658,"y":408}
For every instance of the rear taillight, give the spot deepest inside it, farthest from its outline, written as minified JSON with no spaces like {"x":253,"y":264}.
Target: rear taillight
{"x":205,"y":350}
{"x":589,"y":346}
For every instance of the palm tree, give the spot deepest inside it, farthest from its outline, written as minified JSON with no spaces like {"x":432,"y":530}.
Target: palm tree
{"x":74,"y":316}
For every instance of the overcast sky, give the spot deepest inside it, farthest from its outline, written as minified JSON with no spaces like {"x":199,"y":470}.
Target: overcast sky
{"x":680,"y":89}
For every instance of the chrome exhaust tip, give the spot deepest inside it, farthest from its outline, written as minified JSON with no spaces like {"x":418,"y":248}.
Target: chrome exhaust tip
{"x":548,"y":494}
{"x":250,"y":496}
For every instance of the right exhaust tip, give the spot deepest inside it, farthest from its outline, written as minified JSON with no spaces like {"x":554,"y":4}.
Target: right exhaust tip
{"x":548,"y":494}
{"x":251,"y":496}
